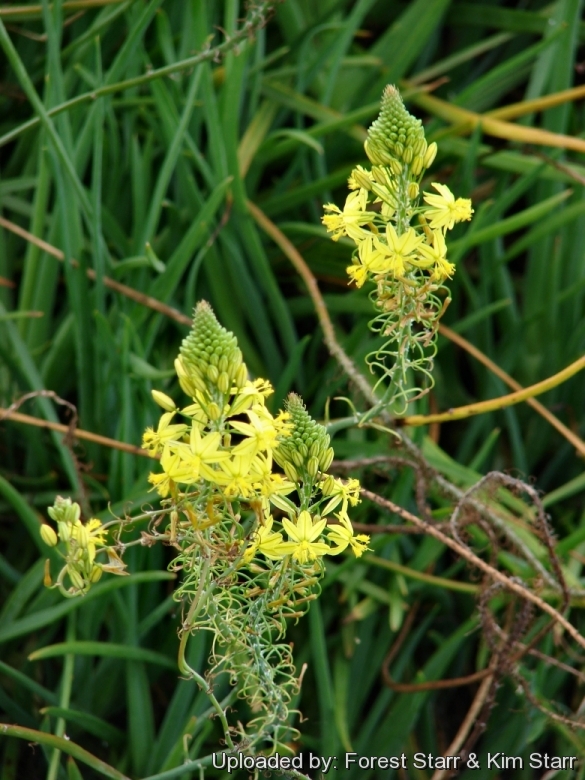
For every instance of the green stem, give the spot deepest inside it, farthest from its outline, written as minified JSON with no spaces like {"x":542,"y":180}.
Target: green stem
{"x":32,"y":736}
{"x":65,"y":698}
{"x":199,"y":600}
{"x":255,"y":20}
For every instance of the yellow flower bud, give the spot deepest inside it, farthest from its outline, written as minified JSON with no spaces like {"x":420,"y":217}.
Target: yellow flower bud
{"x":417,"y":166}
{"x":361,"y":179}
{"x":223,"y":382}
{"x":241,"y":375}
{"x":313,"y":466}
{"x":395,"y":167}
{"x":420,"y":147}
{"x":64,"y":531}
{"x":291,"y":472}
{"x":48,"y":535}
{"x":82,"y":537}
{"x":297,"y":458}
{"x":75,"y":577}
{"x":412,"y":190}
{"x":408,"y":155}
{"x":223,"y":364}
{"x":326,"y":459}
{"x":95,"y":573}
{"x":163,"y":401}
{"x":47,"y":581}
{"x":212,"y":373}
{"x":213,"y":411}
{"x":430,"y":155}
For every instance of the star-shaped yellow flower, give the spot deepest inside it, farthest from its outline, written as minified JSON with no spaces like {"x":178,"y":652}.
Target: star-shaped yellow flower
{"x":436,"y":255}
{"x":342,"y":535}
{"x":445,"y":211}
{"x":399,"y":250}
{"x":349,"y":221}
{"x":304,"y":533}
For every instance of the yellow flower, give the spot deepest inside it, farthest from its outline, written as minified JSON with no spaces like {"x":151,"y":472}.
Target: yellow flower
{"x":445,"y":211}
{"x":340,"y":491}
{"x":437,"y":255}
{"x":261,"y":432}
{"x":342,"y":535}
{"x":267,"y":482}
{"x":304,"y":546}
{"x":250,"y":394}
{"x":398,"y":250}
{"x":196,"y":457}
{"x":264,"y":540}
{"x":155,"y":441}
{"x":349,"y":221}
{"x":358,"y":273}
{"x":235,"y":476}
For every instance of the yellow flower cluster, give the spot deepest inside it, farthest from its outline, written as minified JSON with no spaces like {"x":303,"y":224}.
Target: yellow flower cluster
{"x":227,"y":447}
{"x":81,"y":542}
{"x":383,"y":201}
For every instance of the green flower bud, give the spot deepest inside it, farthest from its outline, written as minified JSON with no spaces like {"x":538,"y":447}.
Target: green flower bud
{"x":297,"y":458}
{"x":241,"y":375}
{"x":396,"y":167}
{"x":412,"y":190}
{"x":363,"y":180}
{"x":326,"y":459}
{"x":407,"y":155}
{"x":83,"y":537}
{"x":64,"y":531}
{"x":417,"y":165}
{"x":395,"y":129}
{"x":223,"y":363}
{"x":207,"y":342}
{"x":75,"y":577}
{"x":312,"y":466}
{"x":290,"y":472}
{"x":223,"y":382}
{"x":420,"y":147}
{"x":430,"y":155}
{"x":212,"y":373}
{"x":48,"y":535}
{"x":213,"y":411}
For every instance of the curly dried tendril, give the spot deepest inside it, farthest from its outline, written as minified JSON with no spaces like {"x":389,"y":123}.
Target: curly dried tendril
{"x":400,"y":248}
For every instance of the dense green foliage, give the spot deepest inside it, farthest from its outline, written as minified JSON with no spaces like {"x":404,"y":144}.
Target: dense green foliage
{"x":143,"y":178}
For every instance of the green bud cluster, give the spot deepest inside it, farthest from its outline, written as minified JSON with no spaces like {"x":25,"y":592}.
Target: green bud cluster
{"x":65,"y":511}
{"x":396,"y":135}
{"x":306,"y":452}
{"x":210,"y":353}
